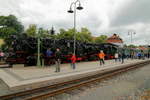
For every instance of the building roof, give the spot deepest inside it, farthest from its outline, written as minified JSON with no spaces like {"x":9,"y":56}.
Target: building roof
{"x":142,"y":48}
{"x":114,"y":39}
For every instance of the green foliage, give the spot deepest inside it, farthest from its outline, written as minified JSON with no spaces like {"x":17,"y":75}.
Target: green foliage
{"x":85,"y":31}
{"x":43,"y":31}
{"x":101,"y":39}
{"x":7,"y":31}
{"x":9,"y":26}
{"x":31,"y":31}
{"x":132,"y":46}
{"x":67,"y":34}
{"x":84,"y":35}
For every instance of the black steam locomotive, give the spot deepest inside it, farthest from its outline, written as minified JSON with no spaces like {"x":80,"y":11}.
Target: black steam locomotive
{"x":24,"y":50}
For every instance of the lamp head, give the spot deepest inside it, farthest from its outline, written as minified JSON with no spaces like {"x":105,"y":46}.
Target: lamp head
{"x":79,"y":7}
{"x":70,"y":11}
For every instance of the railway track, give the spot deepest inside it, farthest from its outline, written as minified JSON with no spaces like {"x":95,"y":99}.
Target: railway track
{"x":53,"y":90}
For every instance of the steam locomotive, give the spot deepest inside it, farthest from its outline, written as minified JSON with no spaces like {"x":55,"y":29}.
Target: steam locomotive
{"x":24,"y":50}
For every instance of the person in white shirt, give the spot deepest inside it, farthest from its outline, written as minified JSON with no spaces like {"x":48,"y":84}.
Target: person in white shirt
{"x":116,"y":56}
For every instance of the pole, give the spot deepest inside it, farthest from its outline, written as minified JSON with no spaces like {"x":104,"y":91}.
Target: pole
{"x":38,"y":59}
{"x":131,"y":32}
{"x":74,"y":29}
{"x":131,"y":38}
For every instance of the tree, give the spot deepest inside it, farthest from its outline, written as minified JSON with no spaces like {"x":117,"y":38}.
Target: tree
{"x":84,"y":35}
{"x":85,"y":31}
{"x":67,"y":34}
{"x":101,"y":39}
{"x":132,"y":46}
{"x":9,"y":26}
{"x":45,"y":33}
{"x":31,"y":31}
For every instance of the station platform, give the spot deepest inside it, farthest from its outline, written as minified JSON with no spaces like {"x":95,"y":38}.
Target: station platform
{"x":21,"y":78}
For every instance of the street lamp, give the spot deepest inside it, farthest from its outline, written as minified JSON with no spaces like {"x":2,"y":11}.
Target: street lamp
{"x":38,"y":47}
{"x":131,"y":32}
{"x":74,"y":11}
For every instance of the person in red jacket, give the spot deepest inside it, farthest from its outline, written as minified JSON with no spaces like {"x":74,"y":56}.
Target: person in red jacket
{"x":73,"y":61}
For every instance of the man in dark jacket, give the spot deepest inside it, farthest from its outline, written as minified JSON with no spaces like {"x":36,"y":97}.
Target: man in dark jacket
{"x":57,"y":58}
{"x":122,"y":56}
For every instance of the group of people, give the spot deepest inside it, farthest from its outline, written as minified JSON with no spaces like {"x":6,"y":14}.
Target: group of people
{"x":133,"y":55}
{"x":119,"y":56}
{"x":141,"y":55}
{"x":58,"y":55}
{"x":73,"y":58}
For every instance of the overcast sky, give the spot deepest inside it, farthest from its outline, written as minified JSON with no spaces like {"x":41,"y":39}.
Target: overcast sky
{"x":99,"y":16}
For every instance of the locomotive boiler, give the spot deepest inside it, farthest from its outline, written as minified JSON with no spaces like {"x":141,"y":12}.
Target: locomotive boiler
{"x":24,"y":50}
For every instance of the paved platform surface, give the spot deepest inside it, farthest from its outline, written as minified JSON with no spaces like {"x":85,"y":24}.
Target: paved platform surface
{"x":23,"y":78}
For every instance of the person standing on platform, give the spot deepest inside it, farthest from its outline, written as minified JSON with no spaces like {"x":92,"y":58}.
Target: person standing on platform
{"x":119,"y":57}
{"x":122,"y":57}
{"x":139,"y":55}
{"x":142,"y":55}
{"x":132,"y":55}
{"x":148,"y":55}
{"x":101,"y":56}
{"x":73,"y":61}
{"x":57,"y":58}
{"x":1,"y":55}
{"x":116,"y":56}
{"x":49,"y":53}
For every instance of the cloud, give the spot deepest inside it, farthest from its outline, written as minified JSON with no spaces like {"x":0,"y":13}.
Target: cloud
{"x":137,"y":11}
{"x":100,"y":16}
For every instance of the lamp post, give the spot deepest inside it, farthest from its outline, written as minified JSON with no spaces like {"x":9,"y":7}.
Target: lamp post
{"x":74,"y":11}
{"x":131,"y":32}
{"x":38,"y":46}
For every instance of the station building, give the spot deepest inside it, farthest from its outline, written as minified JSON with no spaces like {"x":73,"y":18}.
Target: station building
{"x":115,"y":39}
